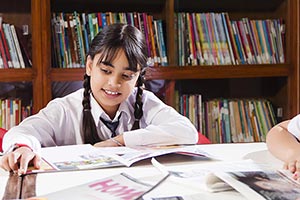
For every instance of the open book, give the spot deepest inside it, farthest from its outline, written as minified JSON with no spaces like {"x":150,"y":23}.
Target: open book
{"x":252,"y":180}
{"x":118,"y":187}
{"x":270,"y":184}
{"x":203,"y":176}
{"x":78,"y":157}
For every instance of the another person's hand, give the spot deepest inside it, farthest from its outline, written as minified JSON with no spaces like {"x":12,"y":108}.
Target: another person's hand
{"x":294,"y":167}
{"x":18,"y":160}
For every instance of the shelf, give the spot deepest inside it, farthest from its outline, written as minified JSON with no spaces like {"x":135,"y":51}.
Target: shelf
{"x":189,"y":72}
{"x":75,"y":74}
{"x":229,"y":5}
{"x":107,"y":5}
{"x":16,"y":75}
{"x":217,"y":72}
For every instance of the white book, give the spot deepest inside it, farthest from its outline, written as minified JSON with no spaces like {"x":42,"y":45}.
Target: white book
{"x":204,"y":176}
{"x":118,"y":187}
{"x":86,"y":156}
{"x":17,"y":45}
{"x":11,"y":45}
{"x":263,"y":184}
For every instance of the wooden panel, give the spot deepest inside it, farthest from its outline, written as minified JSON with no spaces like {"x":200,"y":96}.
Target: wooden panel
{"x":215,"y":72}
{"x":13,"y":75}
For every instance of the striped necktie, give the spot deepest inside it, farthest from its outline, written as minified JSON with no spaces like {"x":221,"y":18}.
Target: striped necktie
{"x":112,"y":126}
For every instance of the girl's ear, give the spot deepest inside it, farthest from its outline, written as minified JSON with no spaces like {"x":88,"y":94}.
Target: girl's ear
{"x":88,"y":65}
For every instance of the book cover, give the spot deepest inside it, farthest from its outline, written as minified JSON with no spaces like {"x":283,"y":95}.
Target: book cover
{"x":119,"y":186}
{"x":17,"y":46}
{"x":25,"y":40}
{"x":12,"y":48}
{"x":86,"y":156}
{"x":204,"y":177}
{"x":263,"y":184}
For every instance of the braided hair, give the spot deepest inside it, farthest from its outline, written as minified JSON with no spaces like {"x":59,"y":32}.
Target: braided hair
{"x":108,"y":42}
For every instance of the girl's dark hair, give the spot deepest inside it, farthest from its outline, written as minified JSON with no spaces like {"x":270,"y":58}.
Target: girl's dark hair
{"x":108,"y":42}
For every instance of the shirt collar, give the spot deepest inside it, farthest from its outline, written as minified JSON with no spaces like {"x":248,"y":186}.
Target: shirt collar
{"x":98,"y":112}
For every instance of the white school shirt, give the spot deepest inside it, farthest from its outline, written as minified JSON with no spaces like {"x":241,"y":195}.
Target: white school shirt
{"x":294,"y":126}
{"x":59,"y":123}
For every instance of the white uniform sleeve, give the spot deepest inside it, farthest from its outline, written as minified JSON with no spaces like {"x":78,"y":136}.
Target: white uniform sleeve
{"x":294,"y":126}
{"x":161,"y":125}
{"x":49,"y":127}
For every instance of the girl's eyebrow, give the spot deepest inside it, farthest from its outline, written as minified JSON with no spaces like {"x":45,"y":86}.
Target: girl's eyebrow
{"x":107,"y":63}
{"x":111,"y":65}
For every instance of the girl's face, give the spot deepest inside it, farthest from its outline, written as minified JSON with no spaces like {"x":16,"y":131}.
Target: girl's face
{"x":111,"y":83}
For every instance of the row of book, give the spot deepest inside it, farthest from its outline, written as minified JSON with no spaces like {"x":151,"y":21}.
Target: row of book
{"x":73,"y":32}
{"x":12,"y":112}
{"x":229,"y":120}
{"x":214,"y":39}
{"x":14,"y":46}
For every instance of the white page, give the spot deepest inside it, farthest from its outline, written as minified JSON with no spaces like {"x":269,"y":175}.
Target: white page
{"x":202,"y":176}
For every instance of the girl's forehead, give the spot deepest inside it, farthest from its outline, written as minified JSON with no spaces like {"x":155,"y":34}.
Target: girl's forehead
{"x":111,"y":55}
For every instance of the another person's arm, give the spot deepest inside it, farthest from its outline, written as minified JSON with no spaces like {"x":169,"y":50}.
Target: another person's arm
{"x":284,"y":145}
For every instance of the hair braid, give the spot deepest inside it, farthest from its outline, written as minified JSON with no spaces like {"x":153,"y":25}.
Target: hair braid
{"x":138,"y":106}
{"x":89,"y":135}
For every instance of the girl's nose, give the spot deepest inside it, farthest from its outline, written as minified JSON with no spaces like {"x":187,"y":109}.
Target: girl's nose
{"x":114,"y":81}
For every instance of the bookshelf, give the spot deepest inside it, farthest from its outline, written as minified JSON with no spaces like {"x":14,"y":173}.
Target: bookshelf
{"x":27,"y":14}
{"x":277,"y":82}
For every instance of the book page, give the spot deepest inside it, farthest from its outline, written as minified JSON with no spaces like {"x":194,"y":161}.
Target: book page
{"x":202,"y":176}
{"x":263,"y":184}
{"x":73,"y":157}
{"x":117,"y":187}
{"x":85,"y":156}
{"x":144,"y":152}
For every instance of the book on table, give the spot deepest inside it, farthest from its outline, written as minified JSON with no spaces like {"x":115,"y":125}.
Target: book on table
{"x":116,"y":187}
{"x":86,"y":156}
{"x":252,"y":180}
{"x":263,"y":184}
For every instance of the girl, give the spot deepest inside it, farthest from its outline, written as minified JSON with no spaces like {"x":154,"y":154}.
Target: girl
{"x":111,"y":110}
{"x":283,"y":143}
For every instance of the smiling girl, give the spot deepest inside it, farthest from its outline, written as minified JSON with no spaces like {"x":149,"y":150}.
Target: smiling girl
{"x":112,"y":109}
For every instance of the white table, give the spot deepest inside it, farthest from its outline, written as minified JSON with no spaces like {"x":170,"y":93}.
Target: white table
{"x":52,"y":182}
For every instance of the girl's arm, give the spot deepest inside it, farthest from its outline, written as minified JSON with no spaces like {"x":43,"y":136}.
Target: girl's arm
{"x":283,"y":145}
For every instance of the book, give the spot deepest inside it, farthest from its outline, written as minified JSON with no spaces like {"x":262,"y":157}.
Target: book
{"x":86,"y":156}
{"x":17,"y":46}
{"x":205,"y":176}
{"x":25,"y":40}
{"x":119,"y":186}
{"x":263,"y":184}
{"x":258,"y":167}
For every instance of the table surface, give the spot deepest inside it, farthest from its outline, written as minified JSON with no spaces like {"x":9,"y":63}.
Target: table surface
{"x":44,"y":183}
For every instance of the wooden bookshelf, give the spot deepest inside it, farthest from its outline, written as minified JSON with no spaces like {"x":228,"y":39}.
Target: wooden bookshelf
{"x":216,"y":72}
{"x":284,"y":77}
{"x":286,"y":93}
{"x":29,"y":14}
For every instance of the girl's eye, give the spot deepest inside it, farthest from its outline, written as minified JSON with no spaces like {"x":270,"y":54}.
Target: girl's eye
{"x":105,"y":71}
{"x":128,"y":76}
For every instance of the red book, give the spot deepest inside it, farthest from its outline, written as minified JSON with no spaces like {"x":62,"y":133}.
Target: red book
{"x":3,"y":39}
{"x":3,"y":55}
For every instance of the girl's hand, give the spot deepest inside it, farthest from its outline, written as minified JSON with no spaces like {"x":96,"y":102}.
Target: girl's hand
{"x":112,"y":142}
{"x":106,"y":143}
{"x":18,"y":160}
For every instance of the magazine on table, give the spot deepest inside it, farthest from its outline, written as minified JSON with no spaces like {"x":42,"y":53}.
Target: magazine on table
{"x":117,"y":187}
{"x":86,"y":156}
{"x":267,"y":184}
{"x":203,"y":176}
{"x":252,"y":180}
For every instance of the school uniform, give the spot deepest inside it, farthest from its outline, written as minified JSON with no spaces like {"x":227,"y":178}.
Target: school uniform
{"x":60,"y":123}
{"x":294,"y":126}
